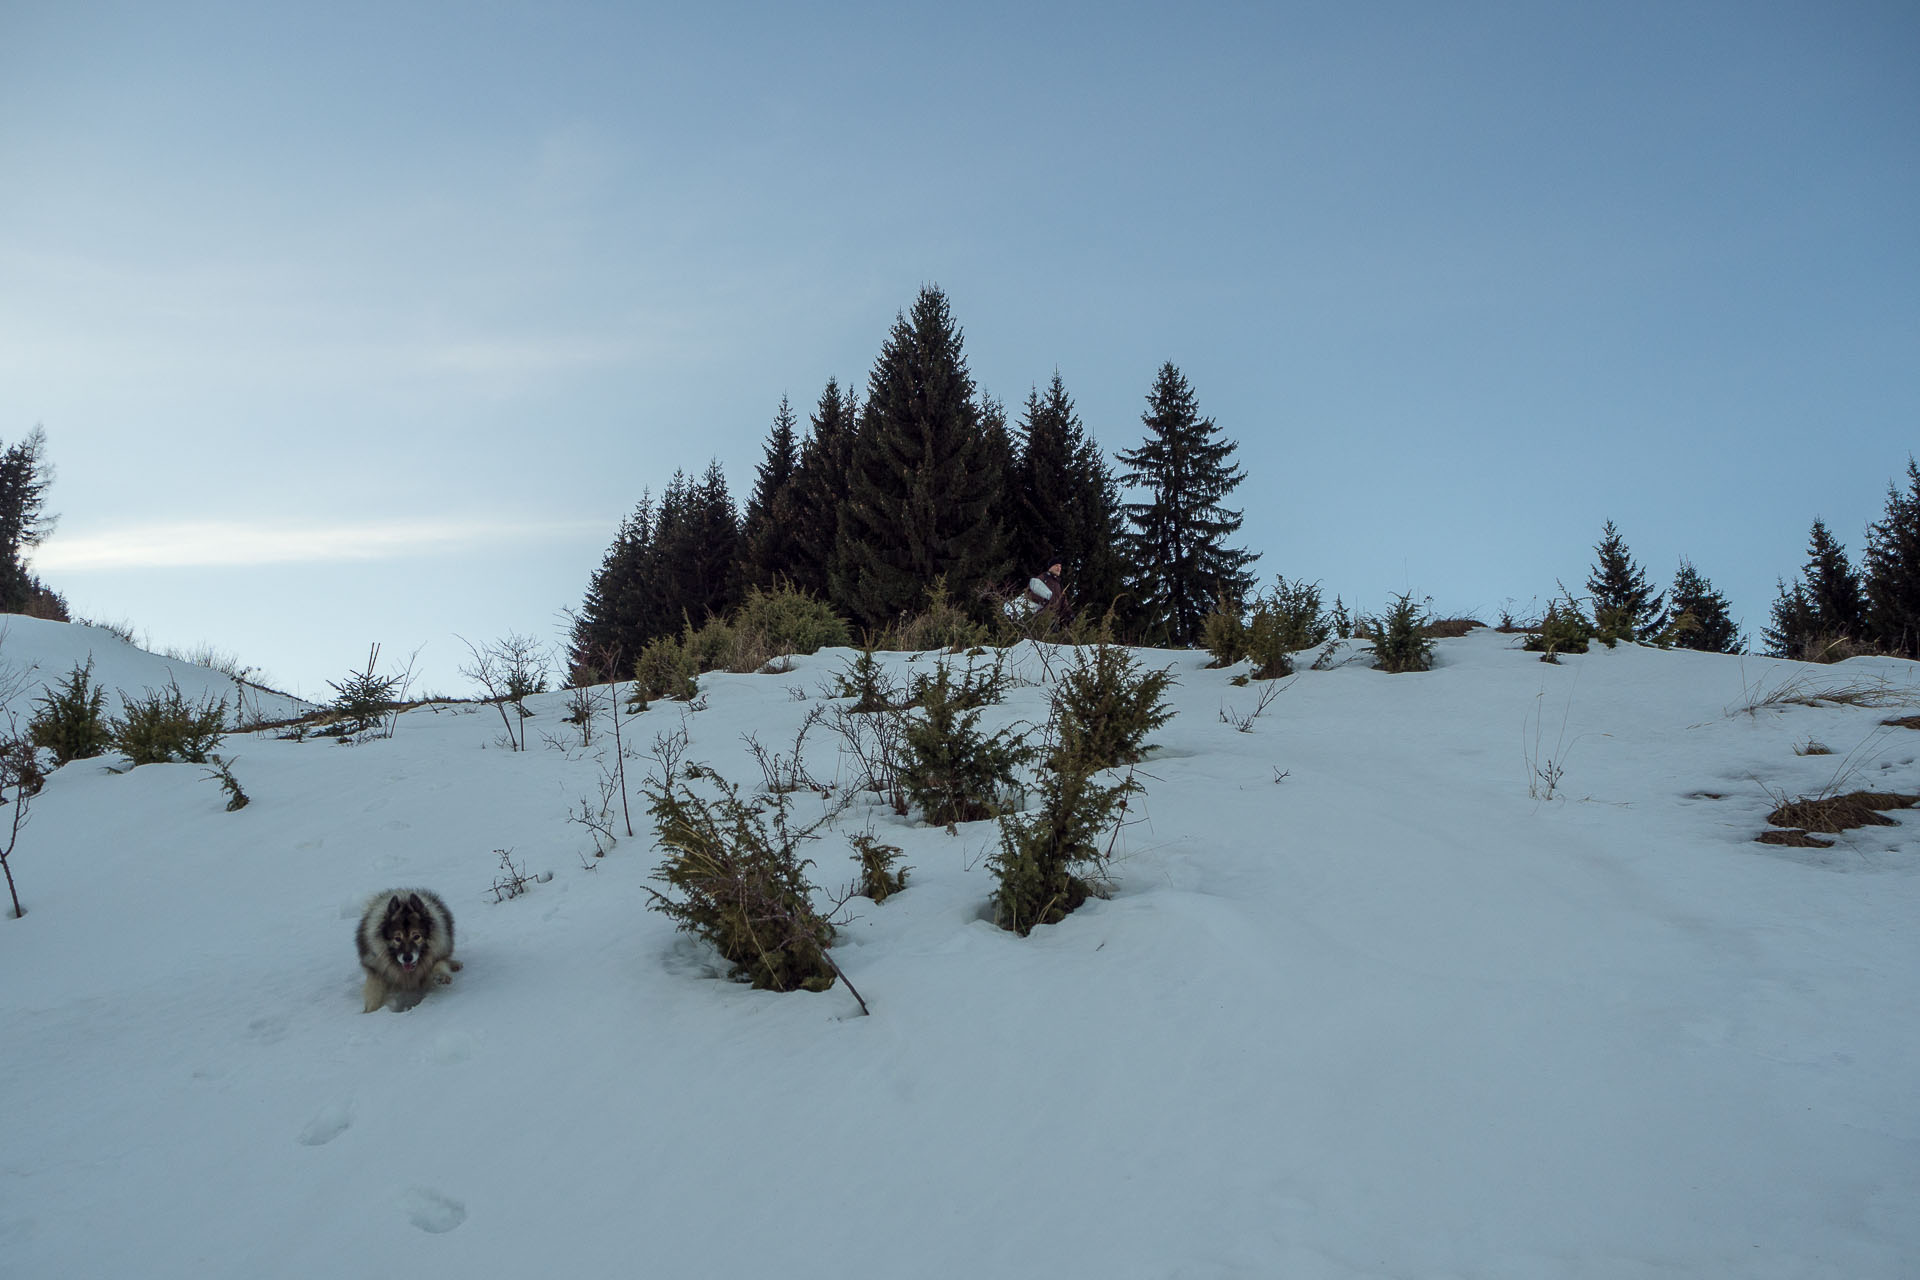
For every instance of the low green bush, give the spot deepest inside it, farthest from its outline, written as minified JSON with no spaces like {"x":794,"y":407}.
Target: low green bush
{"x":71,"y":719}
{"x":1401,"y":643}
{"x":163,"y":726}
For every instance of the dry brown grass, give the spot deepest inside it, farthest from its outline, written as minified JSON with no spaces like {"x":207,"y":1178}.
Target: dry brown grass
{"x":1903,"y":722}
{"x":1793,"y":840}
{"x":1818,"y":689}
{"x":1834,"y":814}
{"x":1449,"y":628}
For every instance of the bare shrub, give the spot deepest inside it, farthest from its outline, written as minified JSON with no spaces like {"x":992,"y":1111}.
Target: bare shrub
{"x":509,"y":669}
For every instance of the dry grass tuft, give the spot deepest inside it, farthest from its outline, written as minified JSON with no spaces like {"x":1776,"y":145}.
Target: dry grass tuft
{"x":1819,"y":689}
{"x":1841,"y":813}
{"x":1793,"y":840}
{"x":1450,"y":628}
{"x":1903,"y":722}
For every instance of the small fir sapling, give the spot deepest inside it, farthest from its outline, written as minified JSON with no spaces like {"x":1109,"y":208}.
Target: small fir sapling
{"x":1223,"y":633}
{"x":364,"y":697}
{"x":1284,"y":621}
{"x":222,"y":772}
{"x":1565,"y":629}
{"x":878,"y":879}
{"x":1106,"y":705}
{"x":665,"y":669}
{"x":1402,"y":644}
{"x":741,"y":884}
{"x":71,"y":719}
{"x":954,"y":772}
{"x":162,"y":726}
{"x":865,"y":681}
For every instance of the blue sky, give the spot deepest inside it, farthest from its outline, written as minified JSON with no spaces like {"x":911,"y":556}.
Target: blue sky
{"x":348,"y":324}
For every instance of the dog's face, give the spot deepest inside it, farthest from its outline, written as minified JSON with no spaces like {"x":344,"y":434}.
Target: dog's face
{"x":406,"y":931}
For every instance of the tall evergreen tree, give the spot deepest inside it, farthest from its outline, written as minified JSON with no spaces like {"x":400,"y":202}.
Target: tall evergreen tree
{"x":923,"y":478}
{"x":1002,"y":460}
{"x":1713,"y":629}
{"x":1066,"y":501}
{"x":1892,"y":566}
{"x":25,"y":477}
{"x":1177,"y":542}
{"x":1623,"y":599}
{"x":1815,"y":617}
{"x":767,"y":527}
{"x":616,"y":619}
{"x":819,"y":480}
{"x":1790,"y":622}
{"x":1833,"y":588}
{"x":1043,"y":492}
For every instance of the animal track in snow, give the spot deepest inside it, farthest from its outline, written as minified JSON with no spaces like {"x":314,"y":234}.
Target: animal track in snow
{"x":432,"y":1212}
{"x":328,"y":1123}
{"x":268,"y":1030}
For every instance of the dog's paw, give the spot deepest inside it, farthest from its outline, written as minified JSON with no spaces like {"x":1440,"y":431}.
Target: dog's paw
{"x":454,"y":964}
{"x":443,"y":978}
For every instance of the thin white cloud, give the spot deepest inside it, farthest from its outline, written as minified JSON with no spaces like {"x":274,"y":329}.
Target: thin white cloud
{"x":224,"y":543}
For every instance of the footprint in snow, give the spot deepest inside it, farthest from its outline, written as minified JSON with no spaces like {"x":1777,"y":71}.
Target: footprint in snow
{"x":268,"y":1030}
{"x":432,"y":1212}
{"x":328,"y":1123}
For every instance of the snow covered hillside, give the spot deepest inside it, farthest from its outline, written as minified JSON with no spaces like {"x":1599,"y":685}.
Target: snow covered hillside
{"x":35,"y":653}
{"x":1364,"y":1003}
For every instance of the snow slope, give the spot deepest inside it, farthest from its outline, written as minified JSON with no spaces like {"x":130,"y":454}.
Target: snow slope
{"x":35,"y":653}
{"x":1389,"y":1015}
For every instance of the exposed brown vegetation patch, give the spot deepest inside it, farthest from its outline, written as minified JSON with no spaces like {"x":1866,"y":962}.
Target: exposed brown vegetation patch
{"x":1841,"y":813}
{"x":1793,"y":840}
{"x":1903,"y":722}
{"x":1449,"y":628}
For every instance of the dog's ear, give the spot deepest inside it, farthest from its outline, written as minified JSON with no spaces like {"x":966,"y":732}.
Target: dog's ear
{"x":415,"y":905}
{"x":393,"y":906}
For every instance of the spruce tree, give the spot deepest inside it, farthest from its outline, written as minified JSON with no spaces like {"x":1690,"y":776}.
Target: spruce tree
{"x":1822,"y":615}
{"x":923,"y":479}
{"x":1713,"y":629}
{"x":614,"y":622}
{"x":1066,"y":500}
{"x":708,"y":566}
{"x":25,"y":477}
{"x":1892,"y":570}
{"x":1833,"y":588}
{"x":767,"y":527}
{"x":1042,"y":479}
{"x":1100,"y":570}
{"x":1790,"y":622}
{"x":819,"y":481}
{"x":1624,"y":602}
{"x":1177,"y":543}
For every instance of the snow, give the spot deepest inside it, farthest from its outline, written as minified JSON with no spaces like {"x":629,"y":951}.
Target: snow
{"x":1388,"y":1015}
{"x":36,"y":654}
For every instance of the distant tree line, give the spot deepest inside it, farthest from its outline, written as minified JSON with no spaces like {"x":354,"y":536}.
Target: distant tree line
{"x":1833,"y":611}
{"x":1830,"y":612}
{"x":924,"y":484}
